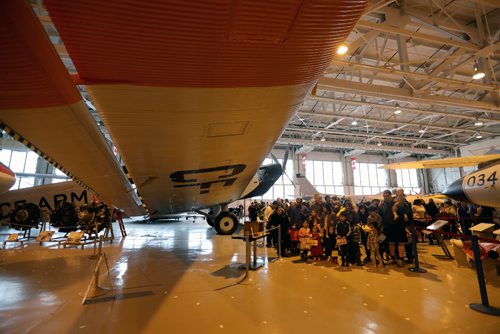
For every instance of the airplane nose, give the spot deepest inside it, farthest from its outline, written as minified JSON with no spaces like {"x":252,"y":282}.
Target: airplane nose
{"x":7,"y":178}
{"x":456,"y":191}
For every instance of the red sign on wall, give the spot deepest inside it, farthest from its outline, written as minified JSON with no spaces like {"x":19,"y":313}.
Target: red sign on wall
{"x":353,"y":163}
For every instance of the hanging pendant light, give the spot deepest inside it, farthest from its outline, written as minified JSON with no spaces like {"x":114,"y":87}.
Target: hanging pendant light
{"x":478,"y":73}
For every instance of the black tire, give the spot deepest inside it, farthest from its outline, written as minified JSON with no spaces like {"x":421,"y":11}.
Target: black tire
{"x":226,"y":223}
{"x":210,"y":221}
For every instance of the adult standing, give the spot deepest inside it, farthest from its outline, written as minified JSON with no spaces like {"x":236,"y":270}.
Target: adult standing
{"x":267,"y":214}
{"x":298,"y":213}
{"x":279,"y":218}
{"x":392,"y":232}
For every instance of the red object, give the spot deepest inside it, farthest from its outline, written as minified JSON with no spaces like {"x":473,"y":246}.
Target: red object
{"x":353,"y":163}
{"x":179,"y":43}
{"x":32,"y":74}
{"x":294,"y":234}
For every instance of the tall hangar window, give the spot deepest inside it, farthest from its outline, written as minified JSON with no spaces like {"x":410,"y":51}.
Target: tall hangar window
{"x":24,"y":165}
{"x":369,"y":179}
{"x":408,"y":180}
{"x":326,"y":176}
{"x":283,"y":187}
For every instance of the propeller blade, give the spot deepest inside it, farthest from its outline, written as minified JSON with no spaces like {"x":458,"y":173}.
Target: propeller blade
{"x":285,"y":158}
{"x":289,"y":178}
{"x":282,"y":166}
{"x":275,"y":159}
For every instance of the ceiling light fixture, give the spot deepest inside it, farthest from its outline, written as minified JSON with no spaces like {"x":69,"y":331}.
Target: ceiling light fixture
{"x":478,"y":122}
{"x":398,"y":110}
{"x":342,"y":49}
{"x":421,"y":130}
{"x":429,"y":147}
{"x":478,"y":135}
{"x":478,"y":74}
{"x":379,"y":144}
{"x":354,"y":122}
{"x":322,"y":139}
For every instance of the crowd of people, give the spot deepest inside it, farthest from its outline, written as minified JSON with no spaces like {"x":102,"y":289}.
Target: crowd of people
{"x":375,"y":232}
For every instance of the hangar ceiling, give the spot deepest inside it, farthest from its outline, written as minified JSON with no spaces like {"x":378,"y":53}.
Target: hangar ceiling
{"x":416,"y":56}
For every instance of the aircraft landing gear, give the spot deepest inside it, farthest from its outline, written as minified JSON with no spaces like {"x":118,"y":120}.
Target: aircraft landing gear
{"x":226,"y":223}
{"x":221,"y":219}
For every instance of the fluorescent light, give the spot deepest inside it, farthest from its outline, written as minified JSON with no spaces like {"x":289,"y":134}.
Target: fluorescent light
{"x":379,"y":144}
{"x":478,"y":74}
{"x":354,"y":122}
{"x":429,"y":147}
{"x":478,"y":136}
{"x":342,"y":49}
{"x":421,"y":131}
{"x":478,"y":123}
{"x":322,"y":139}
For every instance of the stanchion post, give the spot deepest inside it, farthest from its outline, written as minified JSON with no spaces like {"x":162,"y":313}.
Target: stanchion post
{"x":279,"y":241}
{"x":417,"y":268}
{"x":247,"y":253}
{"x":254,"y":254}
{"x":484,"y":307}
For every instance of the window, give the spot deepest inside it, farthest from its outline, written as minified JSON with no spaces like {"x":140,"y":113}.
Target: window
{"x":326,"y":176}
{"x":369,"y":179}
{"x":408,"y":180}
{"x":25,"y":162}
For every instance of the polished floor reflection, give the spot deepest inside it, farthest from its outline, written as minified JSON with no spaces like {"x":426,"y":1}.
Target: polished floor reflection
{"x":180,"y":277}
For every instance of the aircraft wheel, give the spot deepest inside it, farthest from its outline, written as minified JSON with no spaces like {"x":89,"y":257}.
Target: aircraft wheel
{"x":211,"y":221}
{"x":226,"y":223}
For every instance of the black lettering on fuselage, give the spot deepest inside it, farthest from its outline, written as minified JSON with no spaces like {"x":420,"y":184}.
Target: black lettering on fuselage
{"x":205,"y":177}
{"x":83,"y":196}
{"x":44,"y":204}
{"x":60,"y":198}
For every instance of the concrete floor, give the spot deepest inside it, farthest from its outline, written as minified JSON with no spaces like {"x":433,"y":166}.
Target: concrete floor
{"x":179,"y":277}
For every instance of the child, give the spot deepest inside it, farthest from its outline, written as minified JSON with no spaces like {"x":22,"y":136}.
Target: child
{"x":343,"y":230}
{"x":373,"y":243}
{"x":353,"y":245}
{"x":316,"y":250}
{"x":294,"y":237}
{"x":330,"y":244}
{"x":376,"y":220}
{"x":304,"y":235}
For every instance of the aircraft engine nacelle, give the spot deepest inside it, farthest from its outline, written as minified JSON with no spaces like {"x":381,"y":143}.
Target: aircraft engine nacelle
{"x":25,"y":216}
{"x":65,"y":217}
{"x":480,"y":187}
{"x":94,"y":216}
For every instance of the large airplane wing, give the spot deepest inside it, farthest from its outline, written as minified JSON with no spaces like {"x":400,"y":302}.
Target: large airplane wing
{"x":194,"y":94}
{"x":444,"y":163}
{"x":41,"y":107}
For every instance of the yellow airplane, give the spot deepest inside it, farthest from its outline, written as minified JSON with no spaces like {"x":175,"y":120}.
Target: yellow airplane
{"x":480,"y":187}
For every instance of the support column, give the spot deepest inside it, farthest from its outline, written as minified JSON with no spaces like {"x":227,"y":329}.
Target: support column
{"x":348,"y":174}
